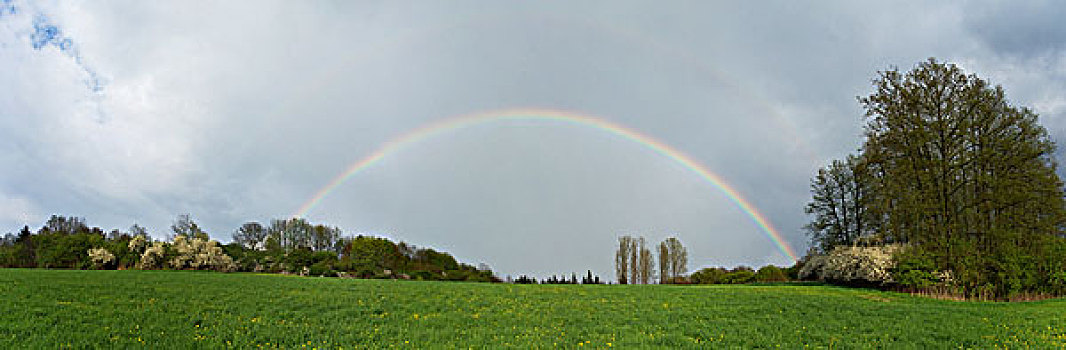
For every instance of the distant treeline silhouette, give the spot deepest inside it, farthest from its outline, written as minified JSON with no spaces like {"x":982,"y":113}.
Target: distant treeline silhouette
{"x":588,"y":278}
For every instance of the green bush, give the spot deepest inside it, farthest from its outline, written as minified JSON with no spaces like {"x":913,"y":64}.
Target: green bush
{"x":738,"y":277}
{"x":297,"y":259}
{"x":322,"y":268}
{"x":423,"y":275}
{"x":1057,"y":282}
{"x":915,"y":269}
{"x":770,"y":273}
{"x":9,"y":256}
{"x":710,"y":275}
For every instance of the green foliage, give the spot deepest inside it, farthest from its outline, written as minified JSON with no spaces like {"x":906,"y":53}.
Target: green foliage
{"x":792,"y":272}
{"x":125,"y":258}
{"x":915,"y":268}
{"x":372,"y":253}
{"x":1057,"y":282}
{"x":770,"y":273}
{"x":952,"y":168}
{"x":62,"y":250}
{"x":9,"y":255}
{"x":432,"y":260}
{"x":360,"y":256}
{"x":709,"y":275}
{"x":738,"y":277}
{"x":289,"y":246}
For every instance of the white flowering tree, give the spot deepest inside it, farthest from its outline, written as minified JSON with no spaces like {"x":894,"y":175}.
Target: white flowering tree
{"x":853,"y":264}
{"x":200,"y":254}
{"x":152,"y":258}
{"x":101,"y":258}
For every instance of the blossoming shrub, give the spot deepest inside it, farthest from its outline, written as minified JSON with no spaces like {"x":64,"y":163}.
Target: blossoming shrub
{"x":153,"y":256}
{"x":199,"y":254}
{"x":138,"y":244}
{"x":101,"y":258}
{"x":853,"y":265}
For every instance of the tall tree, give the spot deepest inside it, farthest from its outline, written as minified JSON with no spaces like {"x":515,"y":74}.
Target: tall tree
{"x":956,"y":158}
{"x":958,"y":171}
{"x":289,"y":234}
{"x":673,"y":259}
{"x":634,"y":262}
{"x":664,"y":263}
{"x":839,"y":206}
{"x":645,"y":262}
{"x":678,"y":257}
{"x":621,"y":259}
{"x":324,"y":237}
{"x":251,"y":235}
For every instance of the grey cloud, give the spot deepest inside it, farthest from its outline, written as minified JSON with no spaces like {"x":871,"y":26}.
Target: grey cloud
{"x":242,"y":111}
{"x":1020,"y":28}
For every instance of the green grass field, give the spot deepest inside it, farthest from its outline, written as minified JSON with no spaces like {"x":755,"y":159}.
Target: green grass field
{"x":50,"y":309}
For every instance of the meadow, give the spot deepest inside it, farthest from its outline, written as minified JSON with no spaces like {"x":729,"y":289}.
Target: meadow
{"x":174,"y":309}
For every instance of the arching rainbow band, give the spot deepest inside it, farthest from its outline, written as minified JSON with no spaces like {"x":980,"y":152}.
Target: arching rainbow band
{"x":559,"y":116}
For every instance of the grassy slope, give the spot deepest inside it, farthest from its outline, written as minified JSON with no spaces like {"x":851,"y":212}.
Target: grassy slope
{"x":43,"y":308}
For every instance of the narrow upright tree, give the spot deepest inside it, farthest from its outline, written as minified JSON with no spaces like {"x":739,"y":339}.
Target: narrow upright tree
{"x":664,"y":263}
{"x":621,"y":259}
{"x":646,"y":262}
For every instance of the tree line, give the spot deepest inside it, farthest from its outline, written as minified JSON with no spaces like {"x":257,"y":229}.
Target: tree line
{"x":956,"y":174}
{"x":589,"y":278}
{"x":293,"y":246}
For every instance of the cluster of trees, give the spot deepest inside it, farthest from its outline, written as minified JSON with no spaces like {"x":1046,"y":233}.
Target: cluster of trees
{"x":285,"y":246}
{"x":68,"y":242}
{"x":958,"y":175}
{"x":635,"y":263}
{"x":742,"y":275}
{"x":589,"y":278}
{"x":297,"y":246}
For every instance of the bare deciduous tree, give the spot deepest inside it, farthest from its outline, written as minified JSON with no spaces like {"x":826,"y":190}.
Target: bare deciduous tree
{"x":622,"y":258}
{"x":673,"y":260}
{"x":645,"y":262}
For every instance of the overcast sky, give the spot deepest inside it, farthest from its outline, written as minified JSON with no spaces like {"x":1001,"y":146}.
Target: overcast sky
{"x":127,"y":112}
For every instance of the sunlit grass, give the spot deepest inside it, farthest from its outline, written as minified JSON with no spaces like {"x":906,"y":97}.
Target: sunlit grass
{"x":50,"y":309}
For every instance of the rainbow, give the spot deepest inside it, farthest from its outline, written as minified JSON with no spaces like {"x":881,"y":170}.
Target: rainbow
{"x":461,"y":122}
